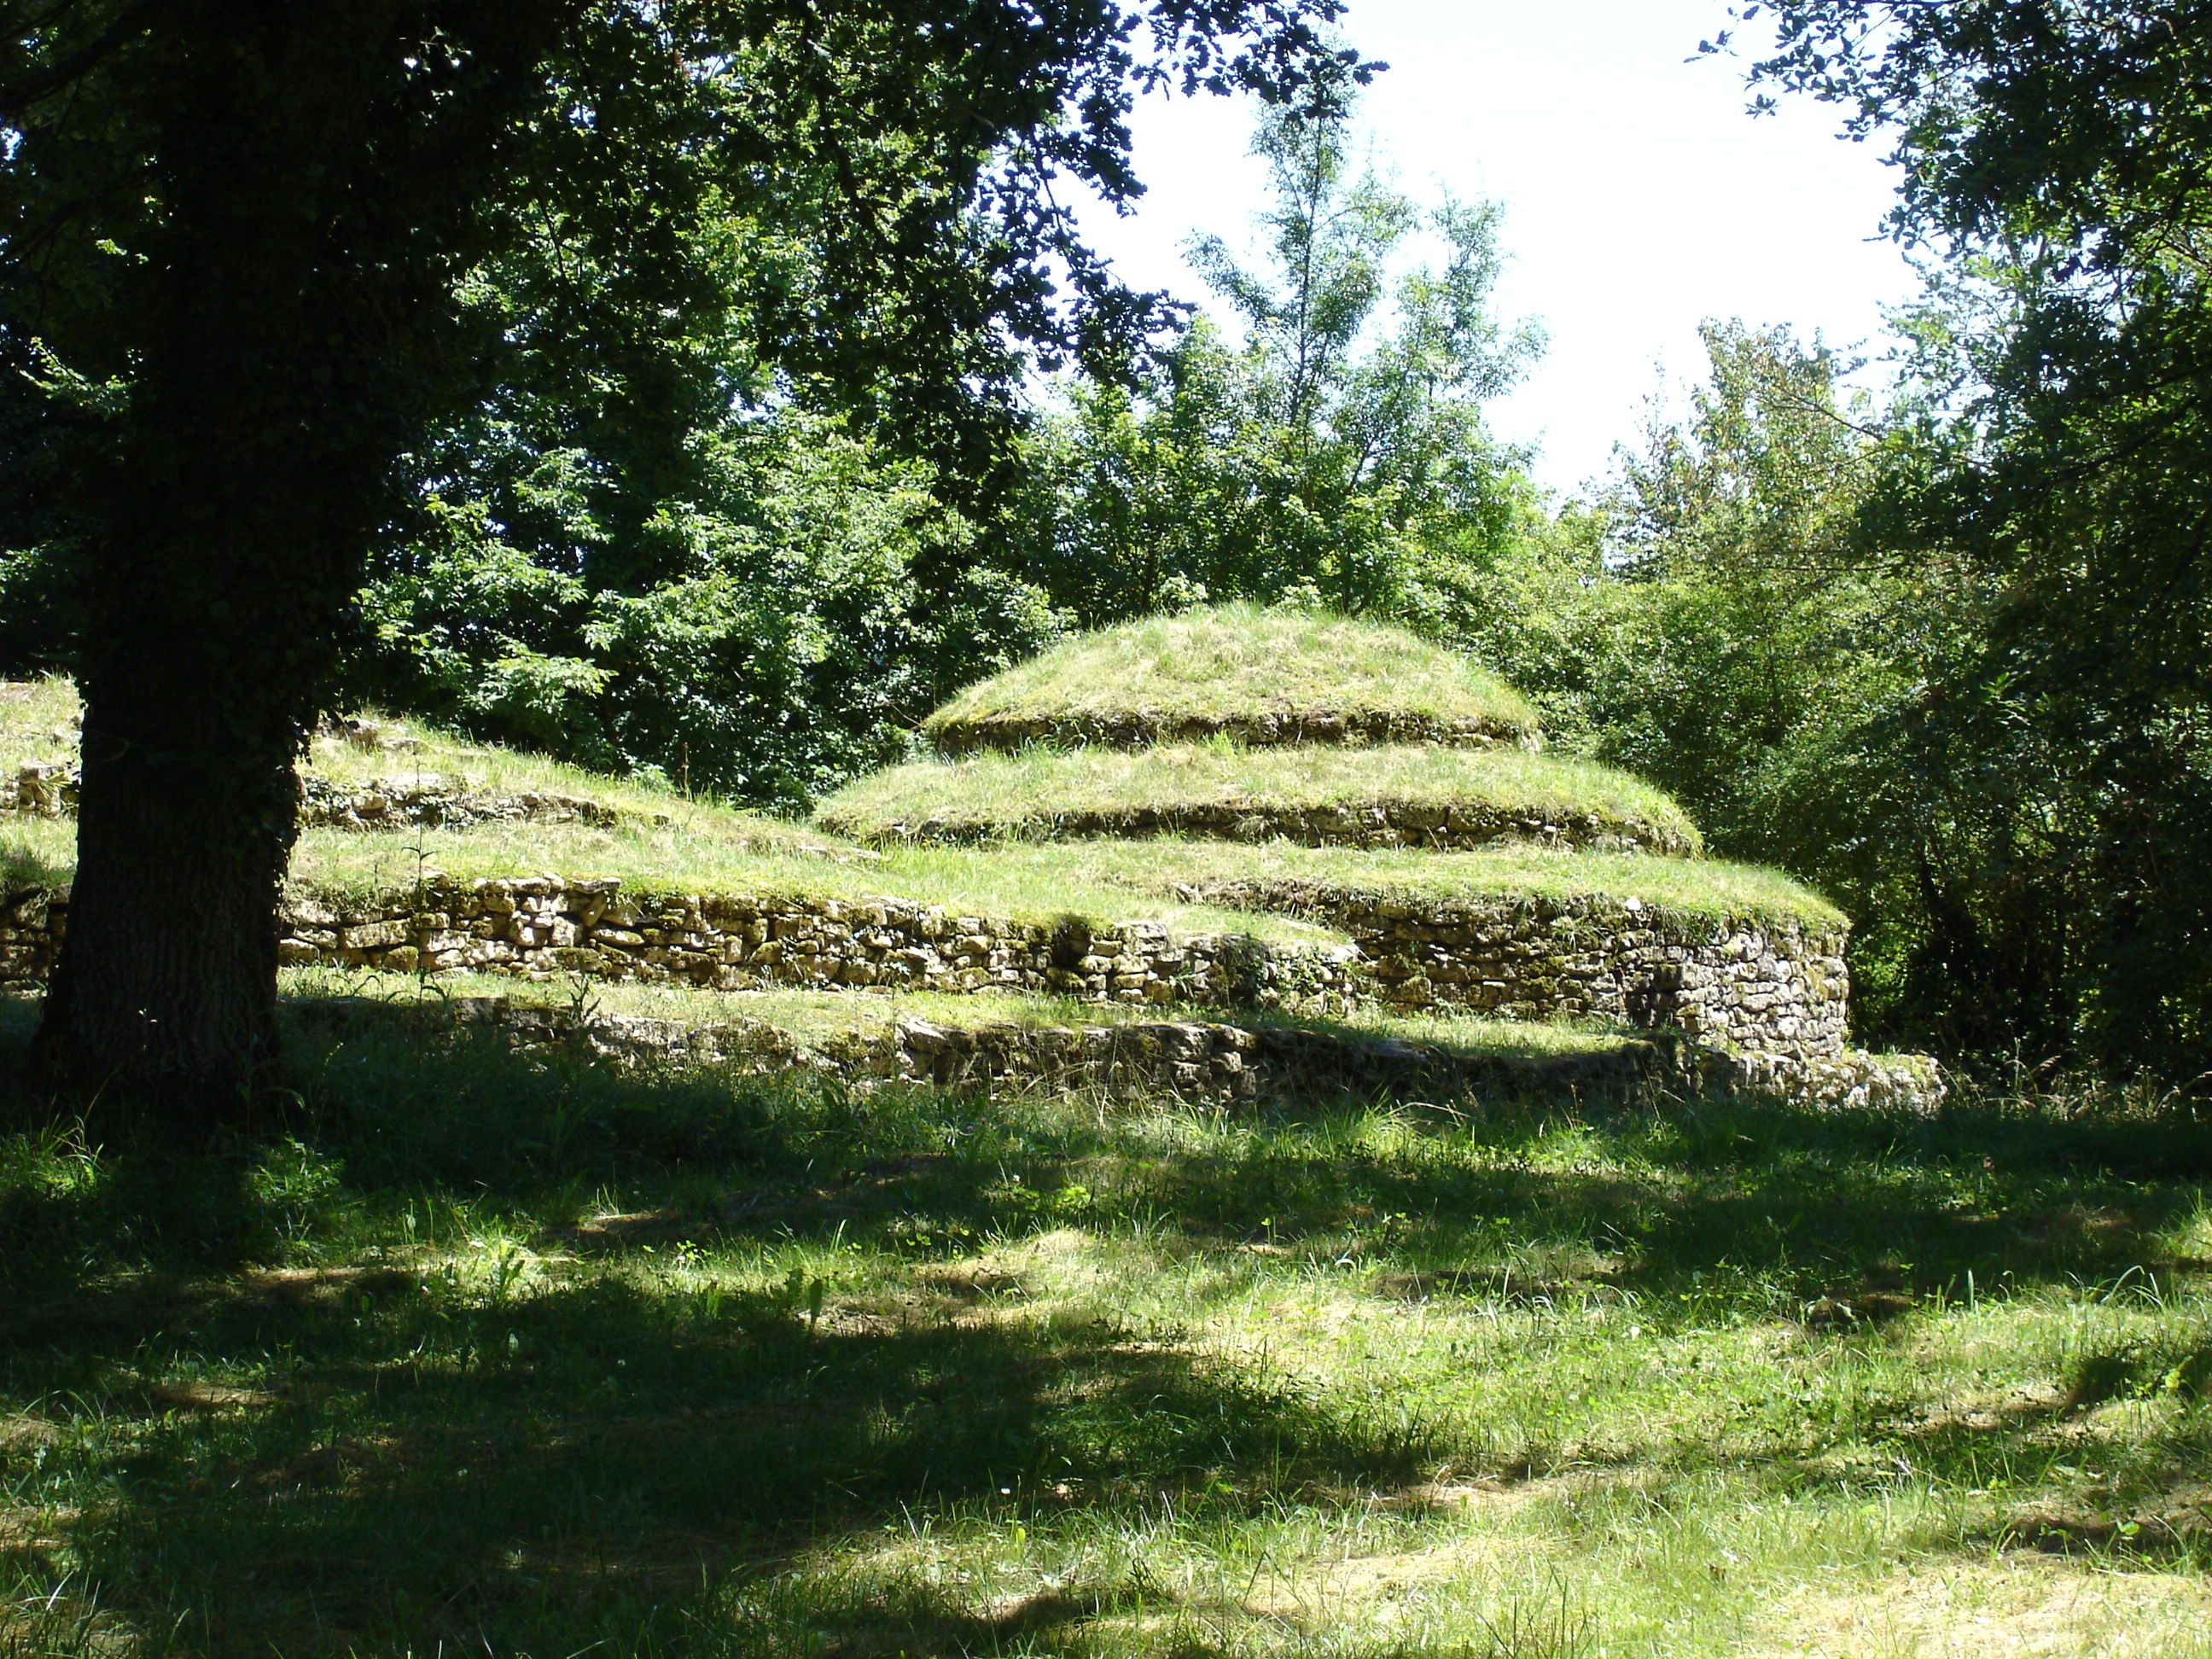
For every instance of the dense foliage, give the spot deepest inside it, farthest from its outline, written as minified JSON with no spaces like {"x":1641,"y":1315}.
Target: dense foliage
{"x":2055,"y":152}
{"x":1324,"y":457}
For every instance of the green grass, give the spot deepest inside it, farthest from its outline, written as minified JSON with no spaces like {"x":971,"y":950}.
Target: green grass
{"x":37,"y":720}
{"x":519,"y":1356}
{"x":813,"y":1017}
{"x":677,"y":858}
{"x":1211,"y":669}
{"x":1316,"y":880}
{"x":1279,"y":892}
{"x":1040,"y":794}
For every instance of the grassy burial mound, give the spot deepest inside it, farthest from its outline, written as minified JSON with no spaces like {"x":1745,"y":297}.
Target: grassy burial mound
{"x":1205,"y":882}
{"x":1259,"y":676}
{"x":1390,"y":795}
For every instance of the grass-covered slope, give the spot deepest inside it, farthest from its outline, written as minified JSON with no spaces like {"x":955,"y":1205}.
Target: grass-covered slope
{"x":1262,"y":676}
{"x":1321,"y":881}
{"x":1320,"y":795}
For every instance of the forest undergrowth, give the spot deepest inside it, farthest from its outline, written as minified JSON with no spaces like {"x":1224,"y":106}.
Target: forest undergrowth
{"x":517,"y":1355}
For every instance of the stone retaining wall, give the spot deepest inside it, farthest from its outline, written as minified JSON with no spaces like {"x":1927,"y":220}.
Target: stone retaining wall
{"x":1777,"y":989}
{"x":540,"y":928}
{"x":43,"y":789}
{"x":1203,"y":1059}
{"x":1452,"y":828}
{"x":1143,"y":729}
{"x":435,"y":800}
{"x":1208,"y":1059}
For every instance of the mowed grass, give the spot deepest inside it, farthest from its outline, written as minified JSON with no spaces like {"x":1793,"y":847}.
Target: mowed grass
{"x":525,"y":1357}
{"x":1037,"y":793}
{"x":1212,"y":669}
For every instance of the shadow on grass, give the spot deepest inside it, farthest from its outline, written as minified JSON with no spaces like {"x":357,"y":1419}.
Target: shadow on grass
{"x":554,"y":1452}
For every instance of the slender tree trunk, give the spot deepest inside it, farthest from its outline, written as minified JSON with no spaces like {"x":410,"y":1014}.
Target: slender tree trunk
{"x":248,"y":474}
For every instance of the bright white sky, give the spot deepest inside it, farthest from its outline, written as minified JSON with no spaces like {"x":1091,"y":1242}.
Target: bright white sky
{"x":1639,"y":195}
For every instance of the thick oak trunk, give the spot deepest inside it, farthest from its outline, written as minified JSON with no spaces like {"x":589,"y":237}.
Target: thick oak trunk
{"x":259,"y":430}
{"x":164,"y":1001}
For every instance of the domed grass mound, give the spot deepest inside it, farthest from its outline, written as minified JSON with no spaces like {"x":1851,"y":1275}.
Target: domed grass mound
{"x":1387,"y":796}
{"x":1261,"y":677}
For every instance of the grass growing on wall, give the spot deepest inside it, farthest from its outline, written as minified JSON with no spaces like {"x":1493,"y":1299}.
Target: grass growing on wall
{"x":1028,"y":795}
{"x":518,"y":1356}
{"x":1315,"y":880}
{"x":1209,"y":668}
{"x":813,"y":1017}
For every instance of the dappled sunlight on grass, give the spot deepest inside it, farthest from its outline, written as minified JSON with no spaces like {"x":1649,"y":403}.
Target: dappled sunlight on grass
{"x":517,"y":1353}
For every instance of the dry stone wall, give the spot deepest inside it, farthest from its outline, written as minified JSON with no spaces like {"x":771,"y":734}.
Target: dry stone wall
{"x":1777,"y":989}
{"x":1759,"y":1009}
{"x":541,"y":928}
{"x":439,"y":801}
{"x":1386,"y":824}
{"x":1777,"y":986}
{"x":1261,"y":728}
{"x":1201,"y":1059}
{"x":435,"y":799}
{"x":1208,"y":1060}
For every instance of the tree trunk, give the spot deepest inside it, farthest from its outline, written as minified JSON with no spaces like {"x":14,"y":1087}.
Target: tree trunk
{"x":164,"y":1000}
{"x":248,"y":474}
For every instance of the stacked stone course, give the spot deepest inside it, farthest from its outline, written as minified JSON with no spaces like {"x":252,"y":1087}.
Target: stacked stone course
{"x":1772,"y":988}
{"x":1258,"y":728}
{"x":1457,"y":827}
{"x":1202,"y":1060}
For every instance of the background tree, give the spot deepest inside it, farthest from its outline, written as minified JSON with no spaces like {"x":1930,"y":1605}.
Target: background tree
{"x":1326,"y":454}
{"x":2054,"y":156}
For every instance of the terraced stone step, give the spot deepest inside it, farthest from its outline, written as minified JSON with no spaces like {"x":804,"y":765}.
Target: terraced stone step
{"x":1393,"y":796}
{"x":1777,"y":987}
{"x":1033,"y":1044}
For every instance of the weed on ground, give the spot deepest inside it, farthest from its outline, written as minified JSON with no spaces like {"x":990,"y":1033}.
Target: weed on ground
{"x":513,"y":1354}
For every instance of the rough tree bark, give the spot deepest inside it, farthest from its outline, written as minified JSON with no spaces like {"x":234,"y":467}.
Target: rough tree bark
{"x":247,"y":477}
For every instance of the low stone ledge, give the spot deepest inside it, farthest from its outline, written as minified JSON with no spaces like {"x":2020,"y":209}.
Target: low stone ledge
{"x":440,"y":800}
{"x":1441,"y":827}
{"x":1195,"y":1059}
{"x":1138,"y":729}
{"x":1732,"y":986}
